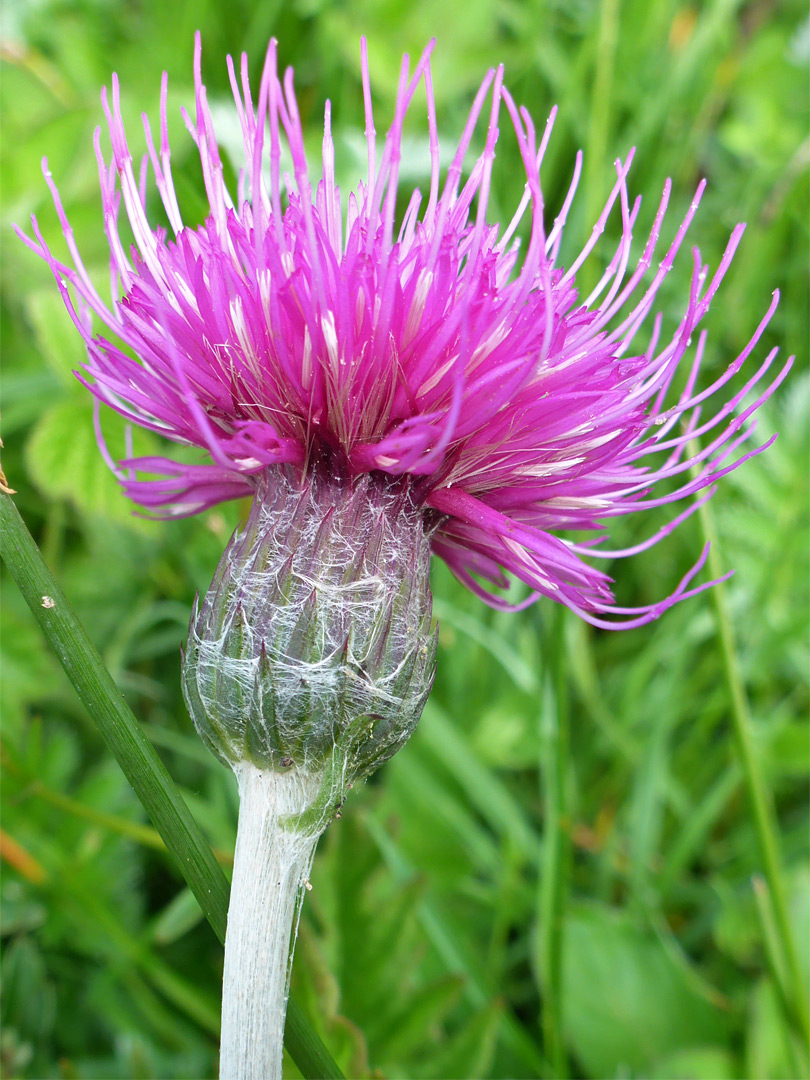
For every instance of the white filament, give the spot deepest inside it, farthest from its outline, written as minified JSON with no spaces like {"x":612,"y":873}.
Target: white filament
{"x":322,"y":598}
{"x":271,"y":863}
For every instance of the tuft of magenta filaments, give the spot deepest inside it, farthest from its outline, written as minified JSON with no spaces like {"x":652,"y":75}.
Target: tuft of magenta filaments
{"x":294,"y":321}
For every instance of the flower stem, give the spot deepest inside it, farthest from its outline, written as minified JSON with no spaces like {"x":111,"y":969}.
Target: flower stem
{"x":761,"y":804}
{"x":271,"y":864}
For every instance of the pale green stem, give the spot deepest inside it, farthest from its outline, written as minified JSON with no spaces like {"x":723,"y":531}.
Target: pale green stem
{"x":270,"y":870}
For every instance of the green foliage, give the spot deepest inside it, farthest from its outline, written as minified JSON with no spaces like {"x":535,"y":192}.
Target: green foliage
{"x":420,"y":941}
{"x":630,"y":1001}
{"x":64,"y":462}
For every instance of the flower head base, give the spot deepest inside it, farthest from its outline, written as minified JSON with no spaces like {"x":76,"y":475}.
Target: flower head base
{"x":312,"y":651}
{"x":292,"y":323}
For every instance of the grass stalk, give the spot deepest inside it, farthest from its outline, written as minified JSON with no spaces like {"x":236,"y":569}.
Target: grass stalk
{"x":773,"y":954}
{"x":599,"y":127}
{"x":132,"y":830}
{"x":477,"y":986}
{"x":553,"y":883}
{"x":761,"y":803}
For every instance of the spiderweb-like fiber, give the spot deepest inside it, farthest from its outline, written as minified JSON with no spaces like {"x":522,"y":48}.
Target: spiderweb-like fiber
{"x":312,"y":650}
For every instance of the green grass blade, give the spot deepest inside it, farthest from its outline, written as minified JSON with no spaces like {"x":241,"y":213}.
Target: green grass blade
{"x":770,"y":938}
{"x":137,"y":757}
{"x":487,"y":792}
{"x":596,"y":147}
{"x":444,"y":938}
{"x":759,"y":797}
{"x":553,"y":879}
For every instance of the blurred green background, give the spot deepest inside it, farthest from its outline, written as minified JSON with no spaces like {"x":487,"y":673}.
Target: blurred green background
{"x":428,"y":945}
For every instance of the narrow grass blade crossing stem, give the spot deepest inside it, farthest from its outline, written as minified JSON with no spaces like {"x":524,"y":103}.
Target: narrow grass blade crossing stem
{"x":761,"y":805}
{"x":137,"y":757}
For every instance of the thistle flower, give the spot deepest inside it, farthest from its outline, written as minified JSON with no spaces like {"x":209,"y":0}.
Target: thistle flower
{"x":293,"y":323}
{"x":380,"y":385}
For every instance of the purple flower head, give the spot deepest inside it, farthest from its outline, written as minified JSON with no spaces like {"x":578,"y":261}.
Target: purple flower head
{"x":294,"y":325}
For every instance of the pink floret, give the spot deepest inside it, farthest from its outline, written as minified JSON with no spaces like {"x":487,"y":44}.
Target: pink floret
{"x":289,"y":325}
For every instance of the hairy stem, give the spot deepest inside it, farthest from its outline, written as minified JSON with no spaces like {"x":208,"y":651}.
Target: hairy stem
{"x":271,"y":864}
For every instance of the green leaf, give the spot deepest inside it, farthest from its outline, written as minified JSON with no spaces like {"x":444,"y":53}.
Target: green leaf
{"x":29,"y":1003}
{"x":627,"y":1002}
{"x":55,"y":336}
{"x":698,"y":1063}
{"x":768,"y":1055}
{"x":492,"y":639}
{"x":64,"y":459}
{"x":495,"y":801}
{"x":315,"y":986}
{"x":180,"y":915}
{"x":29,"y":674}
{"x":470,"y":1050}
